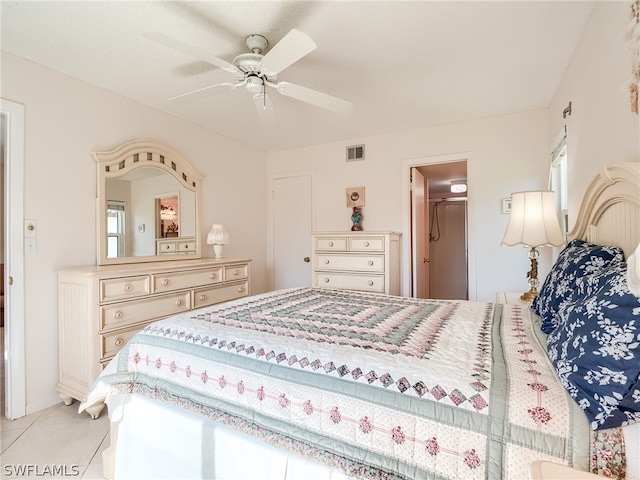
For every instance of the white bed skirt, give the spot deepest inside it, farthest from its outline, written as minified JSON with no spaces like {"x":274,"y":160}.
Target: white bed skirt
{"x":152,"y":440}
{"x":157,"y":441}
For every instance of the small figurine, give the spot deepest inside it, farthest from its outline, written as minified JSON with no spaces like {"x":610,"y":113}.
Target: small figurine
{"x":356,"y":218}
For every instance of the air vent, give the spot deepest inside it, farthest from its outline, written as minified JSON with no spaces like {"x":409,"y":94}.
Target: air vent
{"x":355,"y":153}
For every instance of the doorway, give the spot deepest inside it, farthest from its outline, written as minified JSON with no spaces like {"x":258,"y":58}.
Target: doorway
{"x":291,"y":228}
{"x":439,"y":232}
{"x":12,"y":151}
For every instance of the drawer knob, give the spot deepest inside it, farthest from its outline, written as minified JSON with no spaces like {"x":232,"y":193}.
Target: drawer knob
{"x":331,"y":244}
{"x":241,"y":289}
{"x":366,"y":244}
{"x":213,"y":275}
{"x":165,"y":282}
{"x":370,"y":283}
{"x":236,"y":272}
{"x":128,"y":287}
{"x":118,"y":315}
{"x":179,"y":302}
{"x":203,"y":297}
{"x":186,"y":245}
{"x":167,"y":247}
{"x":370,"y":262}
{"x":119,"y":342}
{"x":326,"y":280}
{"x":326,"y":262}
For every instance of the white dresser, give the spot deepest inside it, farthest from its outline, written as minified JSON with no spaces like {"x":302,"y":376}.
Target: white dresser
{"x":367,"y":261}
{"x":101,"y":308}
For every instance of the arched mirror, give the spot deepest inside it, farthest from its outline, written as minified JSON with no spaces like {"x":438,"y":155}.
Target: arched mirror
{"x":148,"y":197}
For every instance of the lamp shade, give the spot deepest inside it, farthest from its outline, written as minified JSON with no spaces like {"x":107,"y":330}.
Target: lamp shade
{"x":218,"y":235}
{"x":533,"y":220}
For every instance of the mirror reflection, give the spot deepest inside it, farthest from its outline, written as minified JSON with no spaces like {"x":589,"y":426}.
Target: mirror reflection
{"x":145,"y":209}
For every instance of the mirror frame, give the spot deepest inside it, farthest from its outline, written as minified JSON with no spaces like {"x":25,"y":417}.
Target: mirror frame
{"x":131,"y":156}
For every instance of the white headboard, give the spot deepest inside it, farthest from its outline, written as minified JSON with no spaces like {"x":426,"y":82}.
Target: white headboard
{"x":610,"y":209}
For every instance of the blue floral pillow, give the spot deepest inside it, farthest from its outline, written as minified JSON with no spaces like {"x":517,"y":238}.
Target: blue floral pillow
{"x":596,"y":349}
{"x":577,"y":259}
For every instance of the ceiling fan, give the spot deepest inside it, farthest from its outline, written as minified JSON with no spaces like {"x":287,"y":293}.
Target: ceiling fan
{"x":256,"y":71}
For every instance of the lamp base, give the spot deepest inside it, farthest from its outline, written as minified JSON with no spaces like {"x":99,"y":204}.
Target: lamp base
{"x":217,"y":251}
{"x":530,"y":295}
{"x":532,"y":275}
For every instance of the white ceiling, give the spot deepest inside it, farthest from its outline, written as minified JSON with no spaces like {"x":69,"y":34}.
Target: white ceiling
{"x":402,"y":64}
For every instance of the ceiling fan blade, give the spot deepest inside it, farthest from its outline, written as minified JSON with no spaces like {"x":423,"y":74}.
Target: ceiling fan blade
{"x":170,"y":42}
{"x":200,"y":93}
{"x":266,"y":111}
{"x":293,"y":46}
{"x":314,"y":97}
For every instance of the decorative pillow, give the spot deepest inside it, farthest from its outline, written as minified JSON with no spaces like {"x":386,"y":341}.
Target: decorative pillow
{"x":633,"y":272}
{"x":578,"y":258}
{"x":595,"y":349}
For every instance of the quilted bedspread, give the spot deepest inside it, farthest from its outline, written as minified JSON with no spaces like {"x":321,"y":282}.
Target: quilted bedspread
{"x":377,"y":386}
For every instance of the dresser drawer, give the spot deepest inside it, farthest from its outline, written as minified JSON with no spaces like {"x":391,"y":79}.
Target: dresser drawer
{"x":121,"y":288}
{"x":370,"y":283}
{"x":366,"y":244}
{"x":188,"y":246}
{"x":119,"y":315}
{"x":357,"y":263}
{"x":166,"y":247}
{"x":236,"y":272}
{"x":209,"y":296}
{"x":111,"y":343}
{"x":335,"y":244}
{"x":167,"y":282}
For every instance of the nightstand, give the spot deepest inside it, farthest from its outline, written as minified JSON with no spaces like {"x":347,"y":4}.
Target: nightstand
{"x":541,"y":470}
{"x":510,"y":298}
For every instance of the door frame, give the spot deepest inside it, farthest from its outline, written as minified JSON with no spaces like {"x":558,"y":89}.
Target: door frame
{"x":270,"y":260}
{"x":14,"y":338}
{"x":406,"y":217}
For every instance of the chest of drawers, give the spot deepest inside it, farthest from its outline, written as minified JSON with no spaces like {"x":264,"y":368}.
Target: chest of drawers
{"x":367,"y":261}
{"x":101,"y":308}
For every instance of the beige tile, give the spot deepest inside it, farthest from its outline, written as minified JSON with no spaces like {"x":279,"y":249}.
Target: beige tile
{"x":7,"y":437}
{"x":19,"y":423}
{"x":93,"y":472}
{"x":71,"y":443}
{"x":62,"y":413}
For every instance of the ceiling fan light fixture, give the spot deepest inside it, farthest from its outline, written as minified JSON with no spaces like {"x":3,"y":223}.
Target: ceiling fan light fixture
{"x":255,"y":84}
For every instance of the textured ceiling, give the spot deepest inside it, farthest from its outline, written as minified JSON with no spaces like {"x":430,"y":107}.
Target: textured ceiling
{"x":402,"y":64}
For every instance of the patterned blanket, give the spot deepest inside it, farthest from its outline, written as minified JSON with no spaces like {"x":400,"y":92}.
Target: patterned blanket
{"x":378,"y":386}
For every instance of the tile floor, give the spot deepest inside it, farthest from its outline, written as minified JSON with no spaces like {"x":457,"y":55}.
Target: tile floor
{"x":57,"y":436}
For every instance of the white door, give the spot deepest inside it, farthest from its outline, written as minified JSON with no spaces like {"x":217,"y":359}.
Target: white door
{"x":12,"y":146}
{"x":292,"y":231}
{"x":419,"y":241}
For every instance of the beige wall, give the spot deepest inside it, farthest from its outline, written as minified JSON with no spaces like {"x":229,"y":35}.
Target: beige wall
{"x":601,"y":128}
{"x":66,"y":120}
{"x":503,"y":156}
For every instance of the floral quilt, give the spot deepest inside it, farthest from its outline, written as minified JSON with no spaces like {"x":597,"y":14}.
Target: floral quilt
{"x":378,"y":386}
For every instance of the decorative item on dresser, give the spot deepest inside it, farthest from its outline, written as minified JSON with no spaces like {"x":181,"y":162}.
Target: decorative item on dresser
{"x":355,"y":200}
{"x":357,"y":261}
{"x":217,"y":237}
{"x":102,"y":307}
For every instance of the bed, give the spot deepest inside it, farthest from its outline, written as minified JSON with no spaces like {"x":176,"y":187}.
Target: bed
{"x":327,"y":384}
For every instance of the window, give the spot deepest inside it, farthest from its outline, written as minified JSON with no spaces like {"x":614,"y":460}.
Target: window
{"x":115,"y":229}
{"x":558,"y":182}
